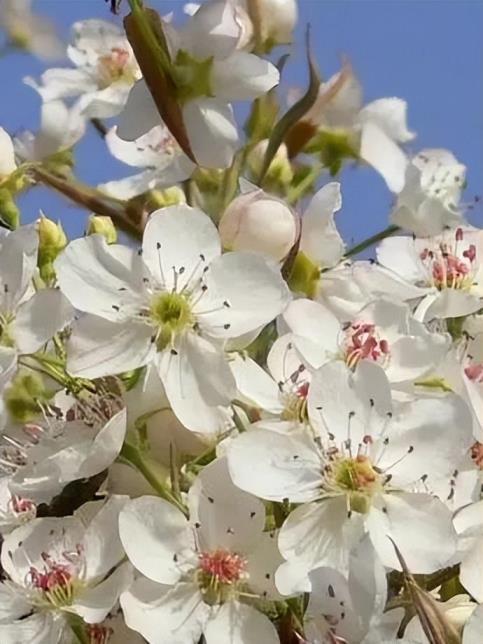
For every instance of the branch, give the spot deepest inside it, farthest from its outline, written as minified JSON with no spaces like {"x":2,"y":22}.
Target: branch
{"x":358,"y":248}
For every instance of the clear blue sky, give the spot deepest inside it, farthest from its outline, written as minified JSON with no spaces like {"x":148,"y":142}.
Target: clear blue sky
{"x":429,"y":52}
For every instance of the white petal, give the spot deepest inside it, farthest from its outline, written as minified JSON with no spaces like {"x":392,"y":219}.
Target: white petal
{"x":18,"y":263}
{"x":39,"y":319}
{"x":390,"y":115}
{"x":7,"y":154}
{"x":213,"y":31}
{"x":263,"y":563}
{"x":235,"y":623}
{"x":96,"y":602}
{"x":163,"y":253}
{"x":228,"y":517}
{"x":320,"y":534}
{"x":105,"y":102}
{"x":320,"y":240}
{"x":102,"y":545}
{"x":254,"y":384}
{"x":99,"y":348}
{"x":139,"y":114}
{"x":474,"y":627}
{"x":404,"y":516}
{"x":13,"y":605}
{"x":384,"y":155}
{"x":100,"y":279}
{"x":451,"y":303}
{"x":349,"y":405}
{"x":275,"y":466}
{"x":197,"y":380}
{"x":212,"y":132}
{"x":243,"y":77}
{"x":152,"y":532}
{"x":39,"y":628}
{"x":63,"y":83}
{"x":253,"y":289}
{"x":401,"y":255}
{"x":163,"y":615}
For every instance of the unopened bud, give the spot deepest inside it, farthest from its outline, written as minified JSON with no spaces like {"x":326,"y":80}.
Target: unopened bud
{"x":279,"y":173}
{"x":52,"y":241}
{"x":101,"y":225}
{"x":259,"y":222}
{"x":277,"y":21}
{"x":26,"y":395}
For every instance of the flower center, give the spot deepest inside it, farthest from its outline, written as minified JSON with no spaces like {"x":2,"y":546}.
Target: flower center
{"x":361,"y":342}
{"x":219,"y":575}
{"x":477,"y":454}
{"x":448,"y":265}
{"x":171,"y":313}
{"x":57,"y":585}
{"x":99,"y":634}
{"x":115,"y":67}
{"x":357,"y":478}
{"x":23,"y":509}
{"x":192,"y":76}
{"x":6,"y":339}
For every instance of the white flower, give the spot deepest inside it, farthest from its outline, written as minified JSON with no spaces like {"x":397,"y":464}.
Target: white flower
{"x":56,"y":567}
{"x":28,"y":319}
{"x":383,"y":332}
{"x":105,"y":69}
{"x":366,"y":468}
{"x":60,"y":128}
{"x":175,"y":304}
{"x":28,"y":30}
{"x":157,"y":153}
{"x":444,"y":272}
{"x":429,"y":201}
{"x":375,"y":130}
{"x":474,"y":627}
{"x":14,"y":510}
{"x":198,"y":571}
{"x":469,"y":525}
{"x":41,"y":458}
{"x":351,"y":609}
{"x":211,"y":74}
{"x":256,"y":221}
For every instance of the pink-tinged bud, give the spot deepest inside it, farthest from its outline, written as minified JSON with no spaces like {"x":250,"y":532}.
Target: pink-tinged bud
{"x":259,"y":222}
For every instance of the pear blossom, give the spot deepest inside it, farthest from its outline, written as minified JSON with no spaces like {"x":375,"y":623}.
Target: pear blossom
{"x":172,"y":304}
{"x":157,"y":153}
{"x":28,"y":318}
{"x":41,"y":458}
{"x":103,"y":73}
{"x":205,"y":49}
{"x":442,"y":273}
{"x":56,"y":567}
{"x":429,"y":201}
{"x":469,"y":525}
{"x":374,"y":131}
{"x":383,"y":331}
{"x":366,"y":467}
{"x":28,"y":30}
{"x":8,"y":163}
{"x":199,"y":572}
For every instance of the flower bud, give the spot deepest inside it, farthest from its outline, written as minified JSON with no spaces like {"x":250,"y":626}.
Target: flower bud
{"x":9,"y":212}
{"x":168,"y":197}
{"x":279,"y":173}
{"x":52,"y":241}
{"x":24,"y":394}
{"x":277,"y":21}
{"x":259,"y":222}
{"x":102,"y":225}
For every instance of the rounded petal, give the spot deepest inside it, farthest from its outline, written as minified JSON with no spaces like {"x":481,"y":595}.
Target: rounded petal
{"x":98,"y":347}
{"x":139,"y":114}
{"x":384,"y":155}
{"x":39,"y":628}
{"x":152,"y":532}
{"x":275,"y":466}
{"x":390,"y":115}
{"x":212,"y":132}
{"x":244,"y":293}
{"x":96,"y":602}
{"x":226,"y":516}
{"x":39,"y":319}
{"x":254,"y":384}
{"x":235,"y":623}
{"x":163,"y":253}
{"x":243,"y":77}
{"x":400,"y":516}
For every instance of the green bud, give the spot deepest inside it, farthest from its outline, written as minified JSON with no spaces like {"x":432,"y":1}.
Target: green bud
{"x":279,"y":174}
{"x":104,"y":226}
{"x":334,"y":147}
{"x":9,"y":212}
{"x":52,"y":241}
{"x":168,"y":197}
{"x":25,"y":393}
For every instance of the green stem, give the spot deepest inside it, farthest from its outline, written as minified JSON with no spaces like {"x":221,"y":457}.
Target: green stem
{"x":358,"y":248}
{"x":134,"y":456}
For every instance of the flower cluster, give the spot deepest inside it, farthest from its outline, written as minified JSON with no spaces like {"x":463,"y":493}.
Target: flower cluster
{"x":231,"y":429}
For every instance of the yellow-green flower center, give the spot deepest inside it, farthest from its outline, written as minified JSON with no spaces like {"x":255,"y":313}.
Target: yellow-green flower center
{"x":359,"y":480}
{"x":171,"y":314}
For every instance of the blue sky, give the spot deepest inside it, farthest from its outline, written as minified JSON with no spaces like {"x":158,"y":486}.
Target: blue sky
{"x":429,"y":52}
